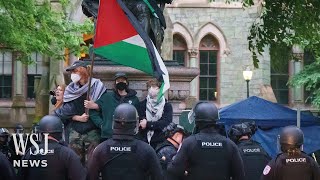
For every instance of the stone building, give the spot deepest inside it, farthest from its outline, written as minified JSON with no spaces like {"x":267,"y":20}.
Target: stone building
{"x":205,"y":38}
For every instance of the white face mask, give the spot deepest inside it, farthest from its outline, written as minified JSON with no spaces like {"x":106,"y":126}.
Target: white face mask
{"x":153,"y":92}
{"x":75,"y":77}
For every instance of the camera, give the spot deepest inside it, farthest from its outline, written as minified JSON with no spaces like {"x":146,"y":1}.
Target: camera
{"x":53,"y":93}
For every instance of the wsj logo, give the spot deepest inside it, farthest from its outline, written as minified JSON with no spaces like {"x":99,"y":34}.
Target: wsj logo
{"x":256,"y":150}
{"x":120,"y":149}
{"x":20,"y":144}
{"x":211,"y":144}
{"x":296,"y":160}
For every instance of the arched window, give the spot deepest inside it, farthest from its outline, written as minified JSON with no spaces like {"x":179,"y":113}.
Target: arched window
{"x":208,"y":51}
{"x":179,"y":49}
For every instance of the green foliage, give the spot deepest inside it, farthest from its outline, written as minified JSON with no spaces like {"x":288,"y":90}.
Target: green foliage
{"x":282,"y":24}
{"x":310,"y":78}
{"x":286,"y":22}
{"x":29,"y":26}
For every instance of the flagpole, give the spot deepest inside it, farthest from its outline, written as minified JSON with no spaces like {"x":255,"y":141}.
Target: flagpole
{"x":90,"y":79}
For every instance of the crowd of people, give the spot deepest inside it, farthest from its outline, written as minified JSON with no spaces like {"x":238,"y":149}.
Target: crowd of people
{"x":111,"y":135}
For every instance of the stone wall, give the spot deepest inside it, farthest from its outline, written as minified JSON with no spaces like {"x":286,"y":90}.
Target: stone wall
{"x":230,"y":27}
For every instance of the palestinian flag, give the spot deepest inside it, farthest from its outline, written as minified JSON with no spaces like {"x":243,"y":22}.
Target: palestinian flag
{"x":120,"y":38}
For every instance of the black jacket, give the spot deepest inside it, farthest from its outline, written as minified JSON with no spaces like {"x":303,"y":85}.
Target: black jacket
{"x":293,"y":167}
{"x":156,"y":126}
{"x":207,"y":155}
{"x":124,"y":159}
{"x":6,"y":169}
{"x":254,"y":157}
{"x":72,"y":108}
{"x":60,"y":163}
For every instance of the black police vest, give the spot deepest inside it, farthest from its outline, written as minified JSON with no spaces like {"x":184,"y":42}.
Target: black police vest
{"x":209,"y":159}
{"x":254,"y":158}
{"x":54,"y":169}
{"x":165,"y":152}
{"x":123,"y":163}
{"x":293,"y":167}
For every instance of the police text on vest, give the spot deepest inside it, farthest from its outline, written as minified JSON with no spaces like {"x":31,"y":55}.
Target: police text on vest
{"x":296,"y":160}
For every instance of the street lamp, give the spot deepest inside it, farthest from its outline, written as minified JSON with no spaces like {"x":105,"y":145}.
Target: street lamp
{"x":247,"y":75}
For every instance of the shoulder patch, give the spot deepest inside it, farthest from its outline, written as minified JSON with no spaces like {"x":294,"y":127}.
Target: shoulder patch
{"x":266,"y":170}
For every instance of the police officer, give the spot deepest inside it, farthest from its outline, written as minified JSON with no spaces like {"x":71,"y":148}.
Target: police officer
{"x":292,"y":163}
{"x":6,"y":169}
{"x":123,"y":156}
{"x":207,"y":154}
{"x":59,"y":162}
{"x":174,"y":135}
{"x":253,"y":155}
{"x":4,"y":144}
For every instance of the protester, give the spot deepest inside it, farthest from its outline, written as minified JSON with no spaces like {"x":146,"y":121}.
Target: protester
{"x":155,"y":114}
{"x":58,"y":96}
{"x":83,"y":134}
{"x":102,"y":110}
{"x":123,"y":156}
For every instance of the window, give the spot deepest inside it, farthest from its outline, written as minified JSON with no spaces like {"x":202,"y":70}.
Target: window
{"x":5,"y":75}
{"x":33,"y":71}
{"x":279,"y":79}
{"x":209,"y":48}
{"x":179,"y":49}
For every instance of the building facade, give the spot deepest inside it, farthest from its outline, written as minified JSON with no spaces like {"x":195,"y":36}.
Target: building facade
{"x":207,"y":39}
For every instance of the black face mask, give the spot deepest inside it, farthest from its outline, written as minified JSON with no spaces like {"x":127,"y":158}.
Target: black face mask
{"x":121,"y":86}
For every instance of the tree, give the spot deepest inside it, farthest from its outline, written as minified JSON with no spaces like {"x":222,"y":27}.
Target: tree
{"x":41,"y":26}
{"x":282,"y":24}
{"x":29,"y":26}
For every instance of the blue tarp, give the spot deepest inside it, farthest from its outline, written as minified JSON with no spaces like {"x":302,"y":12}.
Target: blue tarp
{"x":267,"y":114}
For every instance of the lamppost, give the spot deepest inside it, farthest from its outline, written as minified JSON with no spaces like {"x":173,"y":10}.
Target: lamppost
{"x":247,"y":75}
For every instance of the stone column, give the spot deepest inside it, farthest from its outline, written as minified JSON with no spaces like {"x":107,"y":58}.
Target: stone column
{"x":42,"y":92}
{"x":56,"y":77}
{"x":297,"y":52}
{"x":167,"y":45}
{"x":19,"y":111}
{"x":194,"y":62}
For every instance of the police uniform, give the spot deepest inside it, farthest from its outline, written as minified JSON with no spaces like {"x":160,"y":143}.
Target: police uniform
{"x":286,"y":167}
{"x":254,"y":157}
{"x":123,"y":157}
{"x":125,"y":160}
{"x":292,"y":164}
{"x":207,"y":155}
{"x":58,"y":163}
{"x":6,"y":169}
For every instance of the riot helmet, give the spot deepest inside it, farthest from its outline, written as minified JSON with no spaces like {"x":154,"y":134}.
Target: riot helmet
{"x":173,"y":128}
{"x":205,"y":112}
{"x":4,"y":136}
{"x":52,"y":125}
{"x":19,"y":129}
{"x":125,"y":120}
{"x":291,"y":137}
{"x":244,"y":129}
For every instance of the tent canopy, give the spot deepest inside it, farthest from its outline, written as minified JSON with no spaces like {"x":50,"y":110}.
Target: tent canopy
{"x":267,"y":114}
{"x":264,"y":113}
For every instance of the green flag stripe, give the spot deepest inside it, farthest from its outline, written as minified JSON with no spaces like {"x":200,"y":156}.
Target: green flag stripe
{"x":127,"y":54}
